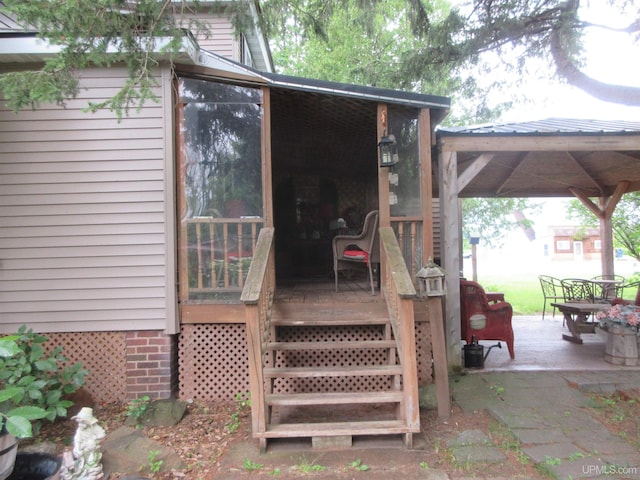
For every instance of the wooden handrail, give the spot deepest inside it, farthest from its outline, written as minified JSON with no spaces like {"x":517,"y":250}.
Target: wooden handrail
{"x":257,"y":296}
{"x":400,"y":292}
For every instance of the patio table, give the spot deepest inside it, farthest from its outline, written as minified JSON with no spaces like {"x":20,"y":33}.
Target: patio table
{"x":608,"y":287}
{"x":576,"y":316}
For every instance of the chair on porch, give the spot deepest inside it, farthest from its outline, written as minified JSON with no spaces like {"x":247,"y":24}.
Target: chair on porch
{"x":363,"y":248}
{"x":551,"y":290}
{"x":474,"y":301}
{"x":578,"y":290}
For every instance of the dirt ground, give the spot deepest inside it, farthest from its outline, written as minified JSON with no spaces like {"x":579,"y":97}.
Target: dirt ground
{"x":209,"y":435}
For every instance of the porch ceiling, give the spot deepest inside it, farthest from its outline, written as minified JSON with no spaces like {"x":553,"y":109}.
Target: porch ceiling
{"x":550,"y":174}
{"x":322,"y":134}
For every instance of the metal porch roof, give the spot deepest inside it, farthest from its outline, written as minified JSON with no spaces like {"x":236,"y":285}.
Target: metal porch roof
{"x":550,"y":126}
{"x":545,"y":158}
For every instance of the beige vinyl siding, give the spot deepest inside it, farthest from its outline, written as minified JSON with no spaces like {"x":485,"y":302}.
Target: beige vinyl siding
{"x":83,"y":216}
{"x":217,"y":36}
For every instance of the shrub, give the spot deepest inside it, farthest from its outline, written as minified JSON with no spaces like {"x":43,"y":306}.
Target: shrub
{"x":33,"y":384}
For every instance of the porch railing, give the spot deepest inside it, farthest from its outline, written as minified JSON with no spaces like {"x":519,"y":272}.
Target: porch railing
{"x":257,"y":296}
{"x":220,"y":251}
{"x":409,"y":233}
{"x":399,"y":292}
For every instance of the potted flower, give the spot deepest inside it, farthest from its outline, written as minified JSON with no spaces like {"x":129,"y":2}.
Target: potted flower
{"x":622,"y":326}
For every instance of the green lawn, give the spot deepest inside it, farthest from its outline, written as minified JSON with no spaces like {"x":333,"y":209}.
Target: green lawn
{"x":523,"y":293}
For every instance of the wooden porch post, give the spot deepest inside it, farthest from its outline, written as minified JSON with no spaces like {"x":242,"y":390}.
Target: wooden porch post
{"x":426,"y":187}
{"x":267,"y":188}
{"x":448,"y":174}
{"x":383,"y":173}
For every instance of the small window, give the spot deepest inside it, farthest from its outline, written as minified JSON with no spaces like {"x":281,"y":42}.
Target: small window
{"x":245,"y":53}
{"x":563,"y":245}
{"x":597,"y":245}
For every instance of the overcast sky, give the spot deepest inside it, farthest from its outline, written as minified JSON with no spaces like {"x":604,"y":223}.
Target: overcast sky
{"x":611,"y":57}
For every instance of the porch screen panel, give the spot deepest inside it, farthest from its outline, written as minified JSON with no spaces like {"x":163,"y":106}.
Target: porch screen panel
{"x":220,"y":128}
{"x":404,"y":185}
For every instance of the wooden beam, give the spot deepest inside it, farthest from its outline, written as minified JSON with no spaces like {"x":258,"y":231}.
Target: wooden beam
{"x":473,"y":170}
{"x":613,"y":200}
{"x":608,"y":205}
{"x":586,"y":174}
{"x":586,"y":201}
{"x":538,"y":143}
{"x":604,"y":211}
{"x":518,"y":164}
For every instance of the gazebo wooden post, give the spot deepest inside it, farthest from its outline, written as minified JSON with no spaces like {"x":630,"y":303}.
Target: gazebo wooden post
{"x":449,"y":207}
{"x":604,"y":211}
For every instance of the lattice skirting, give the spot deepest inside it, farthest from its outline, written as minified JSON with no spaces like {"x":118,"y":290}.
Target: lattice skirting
{"x":213,"y":360}
{"x":102,"y":354}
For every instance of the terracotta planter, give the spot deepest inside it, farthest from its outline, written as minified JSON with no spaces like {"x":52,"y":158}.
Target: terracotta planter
{"x":8,"y":450}
{"x":621,"y":347}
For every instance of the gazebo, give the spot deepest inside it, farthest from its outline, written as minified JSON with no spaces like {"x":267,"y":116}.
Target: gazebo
{"x":595,"y":161}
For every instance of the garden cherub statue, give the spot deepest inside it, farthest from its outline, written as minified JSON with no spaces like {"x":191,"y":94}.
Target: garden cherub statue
{"x":84,"y":462}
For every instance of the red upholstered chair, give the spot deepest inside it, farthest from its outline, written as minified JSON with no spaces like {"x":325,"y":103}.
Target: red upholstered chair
{"x":474,"y":301}
{"x":622,"y":301}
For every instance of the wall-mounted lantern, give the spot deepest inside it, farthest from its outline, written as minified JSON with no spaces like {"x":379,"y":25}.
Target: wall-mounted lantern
{"x":388,"y":150}
{"x":431,"y":280}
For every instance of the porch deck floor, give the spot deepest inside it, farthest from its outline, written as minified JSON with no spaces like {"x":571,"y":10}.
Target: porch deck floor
{"x":323,"y":290}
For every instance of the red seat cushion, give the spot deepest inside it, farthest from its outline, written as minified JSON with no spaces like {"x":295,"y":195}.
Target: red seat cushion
{"x":357,"y":255}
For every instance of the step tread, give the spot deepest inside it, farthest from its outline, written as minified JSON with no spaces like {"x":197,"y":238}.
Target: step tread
{"x":350,"y":371}
{"x":378,"y":427}
{"x":334,"y":398}
{"x":330,"y":314}
{"x":332,"y":345}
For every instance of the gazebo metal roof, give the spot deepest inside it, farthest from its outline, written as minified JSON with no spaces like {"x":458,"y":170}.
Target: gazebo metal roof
{"x":545,"y":158}
{"x":549,"y":127}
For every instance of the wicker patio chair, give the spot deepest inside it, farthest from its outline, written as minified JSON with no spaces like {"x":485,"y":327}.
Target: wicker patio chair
{"x":363,"y":248}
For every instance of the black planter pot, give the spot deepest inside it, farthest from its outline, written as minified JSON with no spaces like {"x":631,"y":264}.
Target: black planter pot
{"x":36,"y":466}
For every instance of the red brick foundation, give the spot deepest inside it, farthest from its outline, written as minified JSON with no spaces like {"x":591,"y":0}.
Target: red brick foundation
{"x":151,"y":359}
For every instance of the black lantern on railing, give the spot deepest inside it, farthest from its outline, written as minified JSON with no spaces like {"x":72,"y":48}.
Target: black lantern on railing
{"x":388,"y":150}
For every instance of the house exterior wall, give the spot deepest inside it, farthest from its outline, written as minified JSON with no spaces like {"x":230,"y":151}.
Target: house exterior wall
{"x":565,"y":239}
{"x":86,"y":206}
{"x":215,"y":33}
{"x":83,"y":210}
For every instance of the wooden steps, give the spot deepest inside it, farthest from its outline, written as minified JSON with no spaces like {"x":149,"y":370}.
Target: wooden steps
{"x":381,"y":427}
{"x":329,"y":314}
{"x":309,"y":372}
{"x":333,"y":398}
{"x":293,"y":346}
{"x":307,"y":348}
